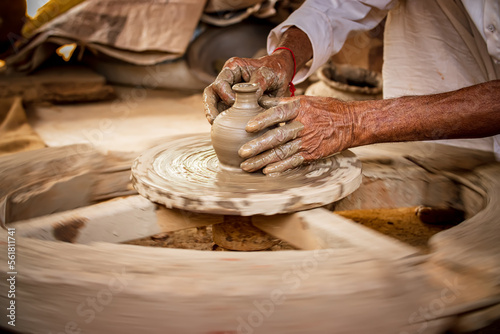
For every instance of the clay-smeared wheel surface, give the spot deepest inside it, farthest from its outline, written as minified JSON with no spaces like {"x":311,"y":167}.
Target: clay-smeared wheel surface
{"x":184,"y":173}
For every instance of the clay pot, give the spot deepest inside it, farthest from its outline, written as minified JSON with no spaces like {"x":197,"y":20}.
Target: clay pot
{"x":228,"y":130}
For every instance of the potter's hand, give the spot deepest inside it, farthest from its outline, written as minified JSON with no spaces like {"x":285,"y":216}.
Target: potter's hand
{"x":316,"y":127}
{"x":272,"y":74}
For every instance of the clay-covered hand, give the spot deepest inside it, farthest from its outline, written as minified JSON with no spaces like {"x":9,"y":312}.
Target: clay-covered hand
{"x":315,"y":127}
{"x":272,"y":74}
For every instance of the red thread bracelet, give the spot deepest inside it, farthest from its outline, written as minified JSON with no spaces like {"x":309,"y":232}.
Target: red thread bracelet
{"x":291,"y":85}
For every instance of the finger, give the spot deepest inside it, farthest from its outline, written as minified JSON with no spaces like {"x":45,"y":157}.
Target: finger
{"x":270,"y":139}
{"x":224,"y":82}
{"x":281,"y":166}
{"x":210,"y":104}
{"x":283,"y":112}
{"x":274,"y":155}
{"x":221,"y":106}
{"x":267,"y":102}
{"x":263,"y":77}
{"x":283,"y":91}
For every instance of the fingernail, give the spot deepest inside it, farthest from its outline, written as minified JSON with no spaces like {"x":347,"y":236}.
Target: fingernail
{"x":246,"y":167}
{"x":244,"y":152}
{"x":268,"y":170}
{"x":251,"y":127}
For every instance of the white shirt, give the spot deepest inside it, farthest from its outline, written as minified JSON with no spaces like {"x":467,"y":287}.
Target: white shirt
{"x":430,"y":46}
{"x":486,"y":16}
{"x":329,"y":23}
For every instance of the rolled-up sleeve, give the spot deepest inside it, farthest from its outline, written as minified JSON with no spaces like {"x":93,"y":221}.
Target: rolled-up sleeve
{"x":328,"y":24}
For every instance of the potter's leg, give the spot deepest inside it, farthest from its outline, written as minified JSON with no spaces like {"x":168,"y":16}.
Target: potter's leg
{"x":425,"y":53}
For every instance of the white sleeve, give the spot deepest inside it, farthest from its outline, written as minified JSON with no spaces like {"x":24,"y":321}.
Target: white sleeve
{"x":328,"y":24}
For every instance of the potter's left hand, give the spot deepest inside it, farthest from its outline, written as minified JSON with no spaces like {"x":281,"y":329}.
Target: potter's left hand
{"x":271,"y":73}
{"x":316,"y":127}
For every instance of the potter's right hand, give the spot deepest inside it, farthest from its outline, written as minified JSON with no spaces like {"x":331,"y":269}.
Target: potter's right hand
{"x":272,"y":73}
{"x":312,"y":128}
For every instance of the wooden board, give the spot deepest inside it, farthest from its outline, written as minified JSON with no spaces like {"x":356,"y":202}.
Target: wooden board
{"x":321,"y":229}
{"x":113,"y":221}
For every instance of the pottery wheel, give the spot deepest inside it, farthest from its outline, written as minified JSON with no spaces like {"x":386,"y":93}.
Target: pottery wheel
{"x":184,"y":173}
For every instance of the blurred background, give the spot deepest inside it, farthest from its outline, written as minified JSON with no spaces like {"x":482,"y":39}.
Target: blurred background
{"x":62,"y":52}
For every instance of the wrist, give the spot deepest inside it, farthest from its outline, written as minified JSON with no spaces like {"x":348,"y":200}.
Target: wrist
{"x":285,"y":61}
{"x":298,"y":41}
{"x":381,"y":121}
{"x":363,"y":117}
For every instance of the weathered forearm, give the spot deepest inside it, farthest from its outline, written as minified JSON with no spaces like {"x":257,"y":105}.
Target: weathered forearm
{"x":470,"y":112}
{"x":297,"y":41}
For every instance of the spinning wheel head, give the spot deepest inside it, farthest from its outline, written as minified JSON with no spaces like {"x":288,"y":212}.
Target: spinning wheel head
{"x":184,"y":173}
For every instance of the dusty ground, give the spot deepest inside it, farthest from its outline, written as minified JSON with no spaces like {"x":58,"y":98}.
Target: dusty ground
{"x":402,"y":224}
{"x":199,"y":238}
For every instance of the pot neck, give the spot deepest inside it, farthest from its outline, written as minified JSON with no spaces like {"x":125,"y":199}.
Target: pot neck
{"x":246,"y":97}
{"x":246,"y":101}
